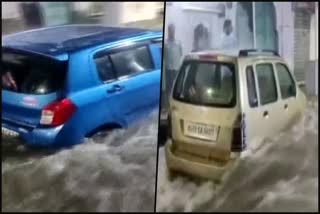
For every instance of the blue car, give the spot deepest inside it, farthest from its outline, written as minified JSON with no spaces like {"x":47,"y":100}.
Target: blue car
{"x":62,"y":84}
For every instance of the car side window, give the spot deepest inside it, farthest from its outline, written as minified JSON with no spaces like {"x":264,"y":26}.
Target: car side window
{"x":104,"y":68}
{"x":132,"y":61}
{"x":267,"y":83}
{"x":159,"y":42}
{"x":286,"y":82}
{"x":251,"y":84}
{"x":160,"y":47}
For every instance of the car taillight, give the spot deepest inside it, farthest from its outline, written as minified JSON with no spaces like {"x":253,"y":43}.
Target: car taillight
{"x":57,"y":112}
{"x":237,"y":144}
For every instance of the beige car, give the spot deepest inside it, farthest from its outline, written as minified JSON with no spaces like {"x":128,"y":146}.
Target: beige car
{"x":220,"y":104}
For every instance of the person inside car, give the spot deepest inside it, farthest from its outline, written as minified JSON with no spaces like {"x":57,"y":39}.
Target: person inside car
{"x":8,"y":80}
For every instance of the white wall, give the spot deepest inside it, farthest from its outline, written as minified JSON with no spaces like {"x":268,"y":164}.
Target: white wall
{"x":314,"y":49}
{"x":317,"y":45}
{"x":285,"y":27}
{"x":117,"y":13}
{"x":137,"y":11}
{"x":314,"y":27}
{"x":184,"y":19}
{"x":113,"y":13}
{"x":81,"y":6}
{"x":10,"y":10}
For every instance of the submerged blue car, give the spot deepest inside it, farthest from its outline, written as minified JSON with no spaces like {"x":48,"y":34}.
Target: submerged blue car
{"x":62,"y":84}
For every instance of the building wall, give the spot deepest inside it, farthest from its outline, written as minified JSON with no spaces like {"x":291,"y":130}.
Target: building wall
{"x":186,"y":20}
{"x":137,"y":11}
{"x":56,"y":13}
{"x":312,"y":81}
{"x":209,"y":13}
{"x":82,"y":6}
{"x":285,"y":27}
{"x":314,"y":36}
{"x":117,"y":13}
{"x":317,"y":47}
{"x":10,"y":10}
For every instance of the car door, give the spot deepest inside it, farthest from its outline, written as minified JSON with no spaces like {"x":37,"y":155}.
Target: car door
{"x":264,"y":118}
{"x":250,"y":106}
{"x":288,"y":91}
{"x":128,"y":81}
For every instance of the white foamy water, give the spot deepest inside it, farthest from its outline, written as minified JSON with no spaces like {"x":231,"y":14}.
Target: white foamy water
{"x":115,"y":173}
{"x":280,"y":175}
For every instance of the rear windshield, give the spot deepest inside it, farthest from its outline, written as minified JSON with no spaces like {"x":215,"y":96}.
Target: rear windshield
{"x":31,"y":75}
{"x":206,"y":83}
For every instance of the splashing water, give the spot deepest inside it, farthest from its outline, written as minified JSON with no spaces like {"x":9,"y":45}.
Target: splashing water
{"x":114,"y":173}
{"x":281,"y":175}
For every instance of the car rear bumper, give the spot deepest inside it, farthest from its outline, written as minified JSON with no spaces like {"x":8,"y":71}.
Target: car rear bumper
{"x":43,"y":136}
{"x":198,"y":169}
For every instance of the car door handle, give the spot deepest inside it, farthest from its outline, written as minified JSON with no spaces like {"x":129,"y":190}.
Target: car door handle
{"x":115,"y":88}
{"x":285,"y":106}
{"x":265,"y":113}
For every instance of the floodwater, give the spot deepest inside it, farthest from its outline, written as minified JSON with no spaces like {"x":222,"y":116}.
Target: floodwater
{"x":281,"y":174}
{"x":117,"y":173}
{"x":113,"y":173}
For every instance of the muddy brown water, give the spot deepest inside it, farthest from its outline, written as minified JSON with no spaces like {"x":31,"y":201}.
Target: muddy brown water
{"x":113,"y":173}
{"x":281,"y":174}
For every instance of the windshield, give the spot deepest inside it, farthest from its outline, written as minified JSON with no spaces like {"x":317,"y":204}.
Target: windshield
{"x":30,"y":75}
{"x":206,"y":83}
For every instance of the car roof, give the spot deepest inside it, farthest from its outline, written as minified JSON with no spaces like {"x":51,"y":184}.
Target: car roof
{"x":59,"y":40}
{"x":229,"y":55}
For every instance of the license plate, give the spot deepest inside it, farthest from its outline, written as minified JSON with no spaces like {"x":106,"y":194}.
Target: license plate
{"x":202,"y":131}
{"x":9,"y":133}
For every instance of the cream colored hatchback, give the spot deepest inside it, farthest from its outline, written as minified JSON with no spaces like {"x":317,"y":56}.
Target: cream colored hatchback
{"x":221,"y":103}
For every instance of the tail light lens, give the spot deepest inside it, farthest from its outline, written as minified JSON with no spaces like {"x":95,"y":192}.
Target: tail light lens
{"x":57,"y":112}
{"x":237,"y":144}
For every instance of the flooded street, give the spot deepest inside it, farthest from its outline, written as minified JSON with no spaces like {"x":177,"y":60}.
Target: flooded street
{"x":113,"y":173}
{"x":279,"y":175}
